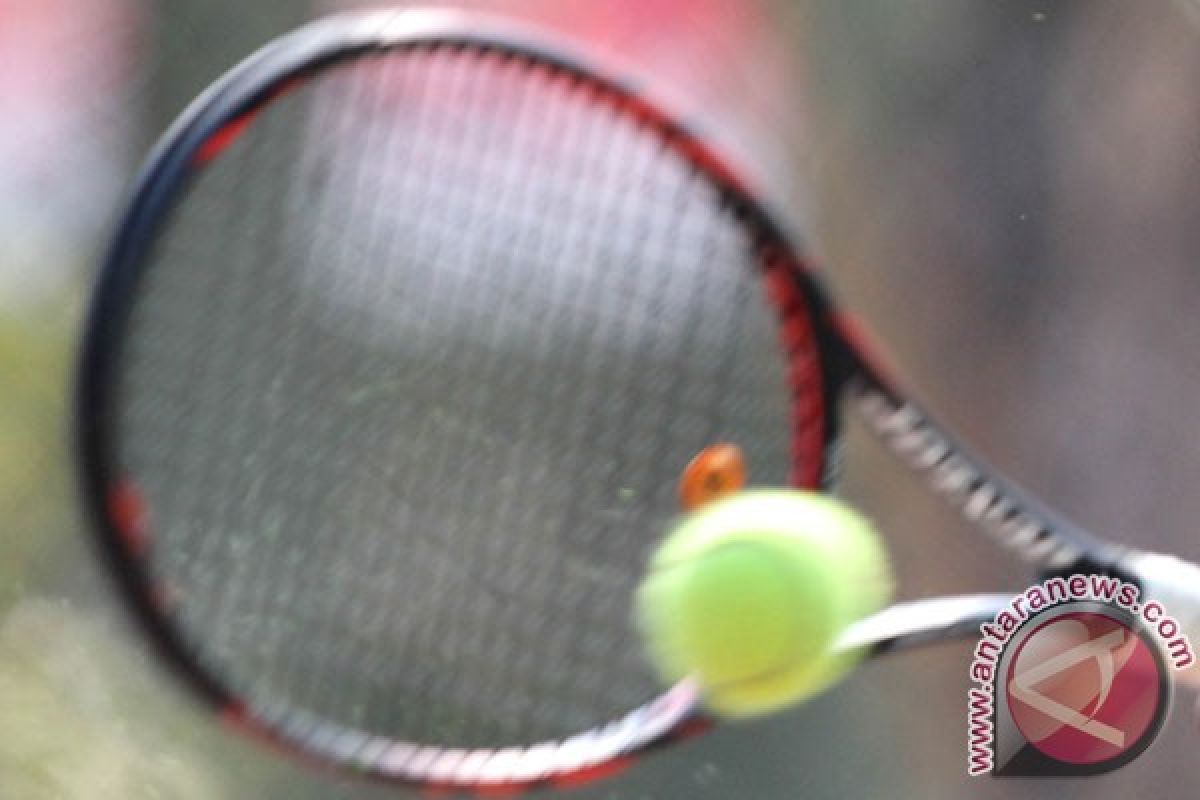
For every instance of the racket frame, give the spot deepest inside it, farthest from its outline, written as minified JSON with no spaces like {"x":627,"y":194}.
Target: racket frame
{"x":841,"y":366}
{"x":199,"y":136}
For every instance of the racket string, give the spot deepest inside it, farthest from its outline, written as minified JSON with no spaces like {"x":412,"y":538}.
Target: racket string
{"x":459,"y":324}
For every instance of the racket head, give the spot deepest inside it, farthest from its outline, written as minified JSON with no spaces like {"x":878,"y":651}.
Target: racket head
{"x":137,"y":401}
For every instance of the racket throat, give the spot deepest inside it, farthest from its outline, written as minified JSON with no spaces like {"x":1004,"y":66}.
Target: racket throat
{"x":969,"y":486}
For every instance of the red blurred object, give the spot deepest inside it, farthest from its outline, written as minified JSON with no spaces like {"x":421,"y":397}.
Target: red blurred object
{"x":66,"y":70}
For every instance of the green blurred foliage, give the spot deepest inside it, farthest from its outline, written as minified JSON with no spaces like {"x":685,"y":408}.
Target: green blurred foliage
{"x":79,"y":722}
{"x":35,"y":357}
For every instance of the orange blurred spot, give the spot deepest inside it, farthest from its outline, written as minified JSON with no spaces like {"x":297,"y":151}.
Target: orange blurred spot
{"x":716,"y":471}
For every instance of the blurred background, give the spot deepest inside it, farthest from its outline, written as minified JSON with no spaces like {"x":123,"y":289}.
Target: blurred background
{"x":1008,"y":192}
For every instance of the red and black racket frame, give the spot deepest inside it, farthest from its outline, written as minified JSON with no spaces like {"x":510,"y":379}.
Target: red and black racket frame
{"x":824,"y":352}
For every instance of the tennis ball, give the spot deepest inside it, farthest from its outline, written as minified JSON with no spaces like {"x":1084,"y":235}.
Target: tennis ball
{"x":748,"y":595}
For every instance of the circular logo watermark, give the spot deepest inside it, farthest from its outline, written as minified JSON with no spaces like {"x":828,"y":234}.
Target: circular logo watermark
{"x":1073,"y":677}
{"x":1080,"y":687}
{"x":1085,"y":686}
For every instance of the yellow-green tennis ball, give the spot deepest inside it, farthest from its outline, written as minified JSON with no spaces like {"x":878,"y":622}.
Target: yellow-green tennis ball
{"x":749,"y":594}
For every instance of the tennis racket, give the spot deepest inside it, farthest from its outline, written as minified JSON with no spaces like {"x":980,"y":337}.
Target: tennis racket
{"x":405,"y":337}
